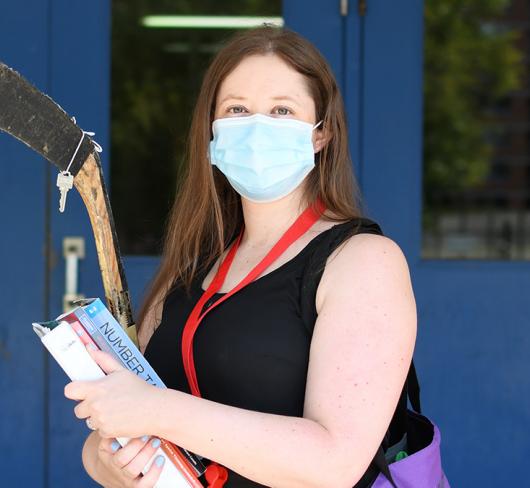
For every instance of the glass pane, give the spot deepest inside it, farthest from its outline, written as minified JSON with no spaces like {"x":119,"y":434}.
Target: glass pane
{"x":157,"y":67}
{"x":476,"y":172}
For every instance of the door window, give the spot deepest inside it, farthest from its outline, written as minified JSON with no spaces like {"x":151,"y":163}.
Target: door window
{"x":160,"y":50}
{"x":476,"y":173}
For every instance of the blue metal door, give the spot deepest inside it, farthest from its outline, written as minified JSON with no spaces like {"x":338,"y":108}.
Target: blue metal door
{"x":22,"y":241}
{"x":473,"y":344}
{"x":63,"y":48}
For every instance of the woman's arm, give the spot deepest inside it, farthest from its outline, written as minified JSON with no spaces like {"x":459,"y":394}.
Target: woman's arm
{"x":360,"y":354}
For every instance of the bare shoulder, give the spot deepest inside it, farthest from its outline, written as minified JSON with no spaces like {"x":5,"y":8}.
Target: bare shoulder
{"x":371,"y":259}
{"x":368,"y":247}
{"x":361,"y":347}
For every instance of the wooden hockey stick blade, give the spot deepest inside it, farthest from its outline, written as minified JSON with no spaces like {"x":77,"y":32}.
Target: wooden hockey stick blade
{"x":36,"y":120}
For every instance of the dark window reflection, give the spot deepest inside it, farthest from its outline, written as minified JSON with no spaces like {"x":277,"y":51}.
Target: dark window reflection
{"x":156,"y":74}
{"x":476,"y":129}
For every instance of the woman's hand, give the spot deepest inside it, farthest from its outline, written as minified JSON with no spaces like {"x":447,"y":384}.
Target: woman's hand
{"x":119,"y":405}
{"x":121,"y":467}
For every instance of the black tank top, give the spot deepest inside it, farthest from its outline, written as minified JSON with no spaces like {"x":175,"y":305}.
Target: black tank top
{"x":252,"y":351}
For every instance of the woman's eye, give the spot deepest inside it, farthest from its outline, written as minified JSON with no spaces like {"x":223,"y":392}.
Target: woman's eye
{"x":283,"y":111}
{"x":237,"y":109}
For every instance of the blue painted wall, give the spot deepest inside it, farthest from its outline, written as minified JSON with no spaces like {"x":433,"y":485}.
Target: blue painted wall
{"x":63,"y":49}
{"x":22,"y":261}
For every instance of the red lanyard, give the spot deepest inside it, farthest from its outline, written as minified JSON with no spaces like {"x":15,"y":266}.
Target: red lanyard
{"x":297,"y":229}
{"x":216,"y":475}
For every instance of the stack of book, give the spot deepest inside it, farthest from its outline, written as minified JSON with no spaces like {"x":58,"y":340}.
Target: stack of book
{"x":66,"y":339}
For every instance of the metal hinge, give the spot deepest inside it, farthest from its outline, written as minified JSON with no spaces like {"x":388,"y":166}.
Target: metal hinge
{"x":361,"y":7}
{"x":344,"y":7}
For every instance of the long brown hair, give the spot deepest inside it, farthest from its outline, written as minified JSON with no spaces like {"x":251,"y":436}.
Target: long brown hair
{"x":207,"y":211}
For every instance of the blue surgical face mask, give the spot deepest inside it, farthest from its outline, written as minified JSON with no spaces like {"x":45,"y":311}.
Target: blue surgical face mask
{"x":264,"y":158}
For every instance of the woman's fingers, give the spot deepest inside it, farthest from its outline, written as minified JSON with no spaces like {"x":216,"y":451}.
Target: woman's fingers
{"x":121,"y":456}
{"x":136,"y":466}
{"x":106,"y":444}
{"x":151,"y":477}
{"x":129,"y":461}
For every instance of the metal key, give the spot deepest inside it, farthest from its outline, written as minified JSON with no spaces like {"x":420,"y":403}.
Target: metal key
{"x":65,"y":182}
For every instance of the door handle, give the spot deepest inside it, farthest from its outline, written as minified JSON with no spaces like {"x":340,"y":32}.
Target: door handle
{"x":73,"y":251}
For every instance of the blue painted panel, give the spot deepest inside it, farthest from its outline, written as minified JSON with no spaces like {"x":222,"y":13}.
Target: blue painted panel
{"x":140,"y":270}
{"x":473,"y":346}
{"x":22,"y":238}
{"x":353,"y":88}
{"x":339,"y":39}
{"x":79,"y":74}
{"x":392,"y":118}
{"x":473,"y":357}
{"x":321,"y":23}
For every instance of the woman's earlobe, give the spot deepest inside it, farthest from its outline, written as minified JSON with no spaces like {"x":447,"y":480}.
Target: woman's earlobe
{"x":321,"y":138}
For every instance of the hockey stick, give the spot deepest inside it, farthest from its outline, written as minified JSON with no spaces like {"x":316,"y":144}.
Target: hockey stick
{"x":35,"y":119}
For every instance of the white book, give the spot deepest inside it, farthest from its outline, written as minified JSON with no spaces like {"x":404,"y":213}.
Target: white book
{"x":70,"y":353}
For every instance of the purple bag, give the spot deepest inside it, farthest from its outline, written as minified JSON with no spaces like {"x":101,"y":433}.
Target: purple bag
{"x":422,"y":468}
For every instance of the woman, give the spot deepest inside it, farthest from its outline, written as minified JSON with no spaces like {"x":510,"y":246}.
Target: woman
{"x":301,"y":372}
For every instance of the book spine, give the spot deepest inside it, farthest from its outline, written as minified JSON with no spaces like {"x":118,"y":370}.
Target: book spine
{"x":111,"y":332}
{"x":67,"y":348}
{"x":105,"y":330}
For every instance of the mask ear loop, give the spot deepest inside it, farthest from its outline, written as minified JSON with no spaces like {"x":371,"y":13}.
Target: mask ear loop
{"x":314,"y":127}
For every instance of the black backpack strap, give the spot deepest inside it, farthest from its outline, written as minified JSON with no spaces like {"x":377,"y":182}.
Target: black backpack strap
{"x":413,"y":393}
{"x":413,"y":388}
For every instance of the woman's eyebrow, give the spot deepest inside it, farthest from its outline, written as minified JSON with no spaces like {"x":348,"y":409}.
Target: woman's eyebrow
{"x":285,"y":97}
{"x":232,"y":97}
{"x":277,"y":97}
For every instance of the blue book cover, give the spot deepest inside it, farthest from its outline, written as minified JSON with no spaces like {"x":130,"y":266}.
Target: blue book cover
{"x":108,"y":333}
